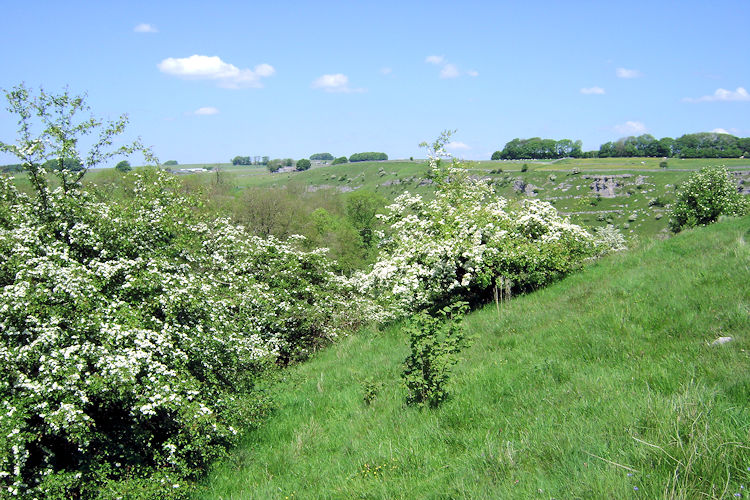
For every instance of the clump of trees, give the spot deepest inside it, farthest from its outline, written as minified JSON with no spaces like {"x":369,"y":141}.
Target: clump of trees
{"x":539,"y":149}
{"x":322,"y":156}
{"x":368,"y":156}
{"x":123,"y":166}
{"x":242,"y":160}
{"x":250,"y":160}
{"x":170,"y":163}
{"x":700,"y":145}
{"x":340,"y":160}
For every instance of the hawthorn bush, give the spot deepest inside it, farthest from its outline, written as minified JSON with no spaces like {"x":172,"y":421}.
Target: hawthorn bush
{"x":129,"y":332}
{"x":704,"y":197}
{"x":458,"y":245}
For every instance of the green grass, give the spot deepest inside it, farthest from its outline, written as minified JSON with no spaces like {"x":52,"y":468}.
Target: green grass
{"x":598,"y":385}
{"x":570,"y":192}
{"x":555,"y":181}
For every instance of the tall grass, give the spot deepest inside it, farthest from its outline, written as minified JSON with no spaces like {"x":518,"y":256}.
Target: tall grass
{"x":604,"y":385}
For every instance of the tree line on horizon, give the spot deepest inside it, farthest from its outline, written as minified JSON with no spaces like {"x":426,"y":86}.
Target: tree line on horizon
{"x":698,"y":145}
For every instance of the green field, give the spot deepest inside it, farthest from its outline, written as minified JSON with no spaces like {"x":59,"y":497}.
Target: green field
{"x":604,"y":385}
{"x":635,"y":204}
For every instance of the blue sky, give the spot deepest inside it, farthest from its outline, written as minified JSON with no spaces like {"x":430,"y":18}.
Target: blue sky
{"x":203,"y":82}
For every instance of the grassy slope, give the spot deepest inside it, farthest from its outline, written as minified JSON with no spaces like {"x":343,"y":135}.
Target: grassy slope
{"x":555,"y":181}
{"x":597,"y":365}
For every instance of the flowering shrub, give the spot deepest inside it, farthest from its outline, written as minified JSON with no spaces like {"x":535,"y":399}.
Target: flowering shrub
{"x":705,"y":196}
{"x":459,"y":244}
{"x":128,"y":331}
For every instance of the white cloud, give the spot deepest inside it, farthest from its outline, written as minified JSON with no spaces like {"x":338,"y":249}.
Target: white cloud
{"x":207,"y":110}
{"x":264,"y":70}
{"x":449,"y":71}
{"x":145,"y":28}
{"x":628,"y":73}
{"x":337,"y":82}
{"x":593,"y":91}
{"x":731,"y":131}
{"x":226,"y":75}
{"x":630,"y":128}
{"x":457,"y":146}
{"x":723,"y":95}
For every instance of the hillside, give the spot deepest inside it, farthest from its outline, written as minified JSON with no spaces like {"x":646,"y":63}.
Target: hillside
{"x":603,"y":385}
{"x":631,"y":193}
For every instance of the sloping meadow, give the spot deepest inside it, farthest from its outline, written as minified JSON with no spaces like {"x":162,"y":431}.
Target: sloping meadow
{"x":607,"y":384}
{"x":134,"y":329}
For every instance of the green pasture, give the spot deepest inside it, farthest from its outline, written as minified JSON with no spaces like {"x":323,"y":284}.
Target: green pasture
{"x":604,"y":385}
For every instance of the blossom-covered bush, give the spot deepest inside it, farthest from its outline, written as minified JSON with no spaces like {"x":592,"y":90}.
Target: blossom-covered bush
{"x":457,"y":245}
{"x":129,"y":330}
{"x":704,"y":197}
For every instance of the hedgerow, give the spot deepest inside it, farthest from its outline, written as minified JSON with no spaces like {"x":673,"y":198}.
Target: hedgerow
{"x":129,"y":332}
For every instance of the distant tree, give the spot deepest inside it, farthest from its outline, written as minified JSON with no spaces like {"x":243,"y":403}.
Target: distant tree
{"x":664,"y":147}
{"x":368,"y":156}
{"x":303,"y":164}
{"x":288,"y":162}
{"x":124,"y":166}
{"x":242,"y":160}
{"x":538,"y":149}
{"x":274,"y":165}
{"x":322,"y":156}
{"x":607,"y":150}
{"x":361,"y":207}
{"x":59,"y":164}
{"x":6,"y":169}
{"x":170,"y":163}
{"x":340,"y":160}
{"x":264,"y":160}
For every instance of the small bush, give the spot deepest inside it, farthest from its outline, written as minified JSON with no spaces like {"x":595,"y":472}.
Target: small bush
{"x":435,"y":342}
{"x":303,"y":164}
{"x":524,"y":167}
{"x":663,"y":164}
{"x":705,"y":196}
{"x":371,"y":390}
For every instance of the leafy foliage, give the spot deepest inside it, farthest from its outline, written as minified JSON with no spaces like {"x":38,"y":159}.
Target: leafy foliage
{"x":124,"y":166}
{"x":322,"y":156}
{"x":704,"y":197}
{"x":242,"y":160}
{"x":132,"y":327}
{"x":303,"y":164}
{"x":434,"y":343}
{"x":128,"y":334}
{"x":369,"y":156}
{"x":457,"y":245}
{"x":536,"y":148}
{"x":340,"y":160}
